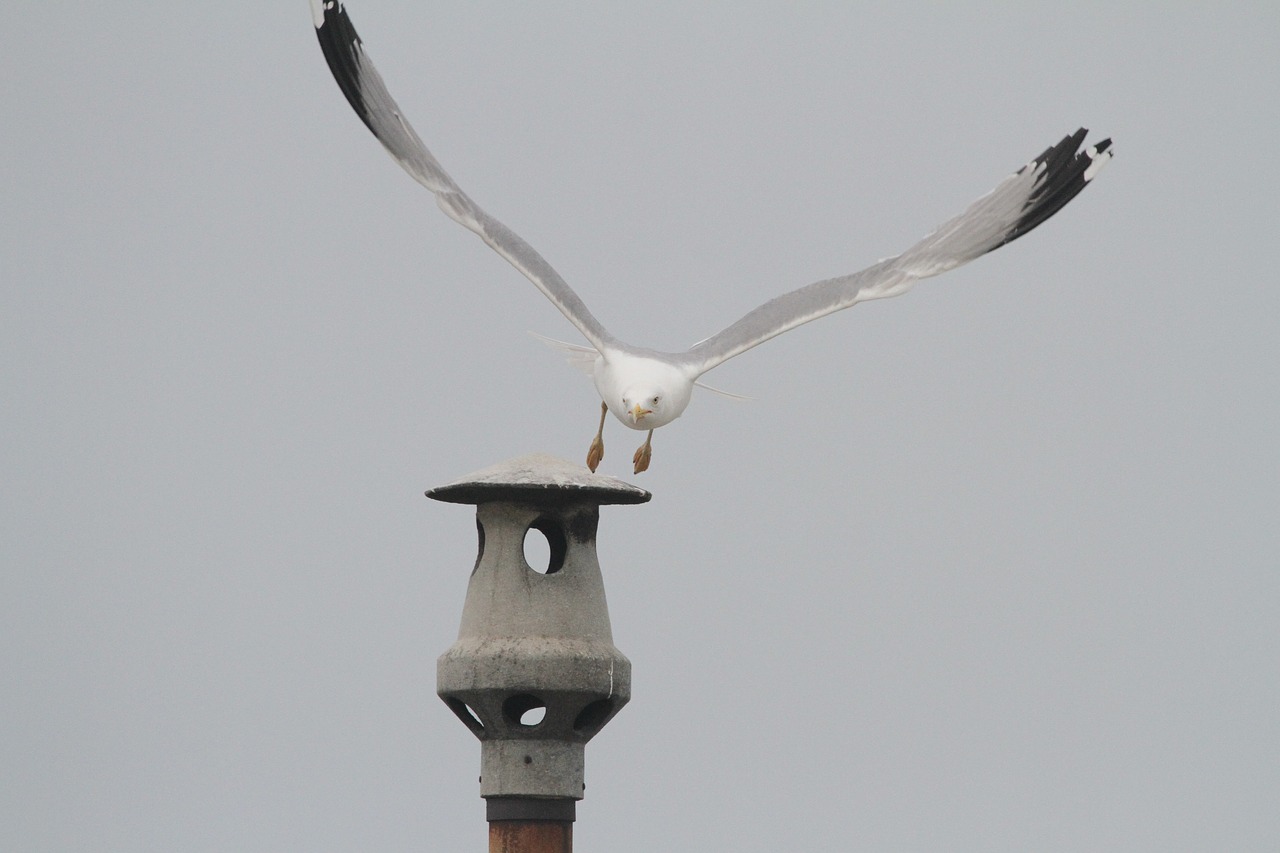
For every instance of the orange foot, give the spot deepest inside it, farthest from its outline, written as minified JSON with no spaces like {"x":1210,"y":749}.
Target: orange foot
{"x":643,"y":454}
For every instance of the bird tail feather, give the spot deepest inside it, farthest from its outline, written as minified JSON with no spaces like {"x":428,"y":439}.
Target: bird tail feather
{"x":583,"y":358}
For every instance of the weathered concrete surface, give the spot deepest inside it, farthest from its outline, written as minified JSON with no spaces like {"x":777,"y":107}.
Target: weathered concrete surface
{"x":534,"y":673}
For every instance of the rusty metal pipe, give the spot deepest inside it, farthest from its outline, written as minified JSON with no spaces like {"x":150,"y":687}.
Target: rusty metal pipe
{"x":530,"y":836}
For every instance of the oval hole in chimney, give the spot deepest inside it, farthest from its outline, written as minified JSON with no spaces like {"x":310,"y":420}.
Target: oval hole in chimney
{"x":544,"y":549}
{"x":592,"y":718}
{"x":524,"y":710}
{"x":464,"y":713}
{"x":480,"y":549}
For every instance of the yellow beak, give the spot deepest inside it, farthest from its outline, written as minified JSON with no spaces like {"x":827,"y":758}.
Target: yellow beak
{"x":638,"y":413}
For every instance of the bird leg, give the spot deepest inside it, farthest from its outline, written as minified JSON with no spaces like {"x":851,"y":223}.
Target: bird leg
{"x":644,"y":453}
{"x":596,"y":451}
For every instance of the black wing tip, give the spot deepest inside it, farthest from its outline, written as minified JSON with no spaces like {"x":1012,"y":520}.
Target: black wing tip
{"x":342,"y":47}
{"x":326,"y":12}
{"x":1067,"y":171}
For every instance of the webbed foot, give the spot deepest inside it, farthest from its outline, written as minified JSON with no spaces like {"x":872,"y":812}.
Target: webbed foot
{"x":643,"y":454}
{"x":596,"y":451}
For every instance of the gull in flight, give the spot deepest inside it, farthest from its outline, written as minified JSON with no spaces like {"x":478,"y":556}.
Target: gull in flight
{"x":645,"y":388}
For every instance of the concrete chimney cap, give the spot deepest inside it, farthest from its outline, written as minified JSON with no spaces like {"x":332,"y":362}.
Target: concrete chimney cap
{"x":538,"y":478}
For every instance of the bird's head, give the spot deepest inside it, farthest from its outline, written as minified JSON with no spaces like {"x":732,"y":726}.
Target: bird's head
{"x":644,"y":407}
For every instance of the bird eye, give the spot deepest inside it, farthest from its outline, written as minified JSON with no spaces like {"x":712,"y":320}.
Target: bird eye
{"x":655,"y":401}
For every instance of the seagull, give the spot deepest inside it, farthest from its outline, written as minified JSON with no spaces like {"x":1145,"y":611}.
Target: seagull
{"x":644,"y":388}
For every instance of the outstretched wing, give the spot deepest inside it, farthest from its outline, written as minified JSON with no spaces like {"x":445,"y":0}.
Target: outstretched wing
{"x":368,"y":95}
{"x":1018,"y":204}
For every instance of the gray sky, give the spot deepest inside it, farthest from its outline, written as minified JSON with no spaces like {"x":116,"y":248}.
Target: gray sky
{"x":990,"y":566}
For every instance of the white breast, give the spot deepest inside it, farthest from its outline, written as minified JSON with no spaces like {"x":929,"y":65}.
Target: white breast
{"x":619,"y":374}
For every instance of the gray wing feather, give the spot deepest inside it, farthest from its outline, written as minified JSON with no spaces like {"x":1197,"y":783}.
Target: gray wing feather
{"x":1018,"y":204}
{"x":368,"y":95}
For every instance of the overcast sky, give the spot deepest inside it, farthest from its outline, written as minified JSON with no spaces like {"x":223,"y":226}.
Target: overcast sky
{"x":989,"y":566}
